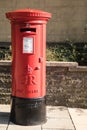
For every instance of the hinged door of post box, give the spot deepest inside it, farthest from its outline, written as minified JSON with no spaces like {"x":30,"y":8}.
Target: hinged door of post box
{"x":28,"y":84}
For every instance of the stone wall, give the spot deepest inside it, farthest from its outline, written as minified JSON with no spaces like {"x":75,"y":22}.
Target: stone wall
{"x":69,"y":18}
{"x":5,"y":83}
{"x":66,"y":84}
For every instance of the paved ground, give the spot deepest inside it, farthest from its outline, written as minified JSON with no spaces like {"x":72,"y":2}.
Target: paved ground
{"x":58,"y":118}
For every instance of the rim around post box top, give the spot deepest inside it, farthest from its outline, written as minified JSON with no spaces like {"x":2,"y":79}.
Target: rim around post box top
{"x":28,"y":14}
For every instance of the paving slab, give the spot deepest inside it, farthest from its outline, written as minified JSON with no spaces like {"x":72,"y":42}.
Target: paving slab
{"x":57,"y":112}
{"x":79,"y":117}
{"x":19,"y":127}
{"x":58,"y":119}
{"x":4,"y":116}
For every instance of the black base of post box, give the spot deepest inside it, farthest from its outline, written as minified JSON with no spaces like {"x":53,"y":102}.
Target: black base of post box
{"x":28,"y":111}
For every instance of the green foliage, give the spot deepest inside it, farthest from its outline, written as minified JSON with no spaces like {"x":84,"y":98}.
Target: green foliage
{"x":68,"y":51}
{"x":76,"y":52}
{"x":5,"y":53}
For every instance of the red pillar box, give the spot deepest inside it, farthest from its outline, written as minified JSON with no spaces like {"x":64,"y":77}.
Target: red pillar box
{"x":28,"y":29}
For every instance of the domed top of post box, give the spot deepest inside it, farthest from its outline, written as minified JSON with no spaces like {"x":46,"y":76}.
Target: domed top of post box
{"x":28,"y":14}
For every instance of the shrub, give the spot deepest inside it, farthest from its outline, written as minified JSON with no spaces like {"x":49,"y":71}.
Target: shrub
{"x":74,"y":52}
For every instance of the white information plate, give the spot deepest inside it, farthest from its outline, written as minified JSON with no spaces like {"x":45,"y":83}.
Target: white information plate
{"x":28,"y":45}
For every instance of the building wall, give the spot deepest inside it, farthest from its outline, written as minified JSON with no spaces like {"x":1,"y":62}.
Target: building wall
{"x":68,"y":23}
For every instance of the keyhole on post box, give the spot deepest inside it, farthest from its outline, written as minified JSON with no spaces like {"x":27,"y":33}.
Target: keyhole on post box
{"x":28,"y":29}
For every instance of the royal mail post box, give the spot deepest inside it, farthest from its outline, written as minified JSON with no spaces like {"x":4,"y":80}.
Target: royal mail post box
{"x":28,"y":32}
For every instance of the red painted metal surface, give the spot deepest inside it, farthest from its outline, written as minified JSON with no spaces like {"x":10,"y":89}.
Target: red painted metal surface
{"x":28,"y":52}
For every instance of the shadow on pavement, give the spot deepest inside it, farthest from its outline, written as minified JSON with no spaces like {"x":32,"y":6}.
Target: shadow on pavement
{"x":4,"y":117}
